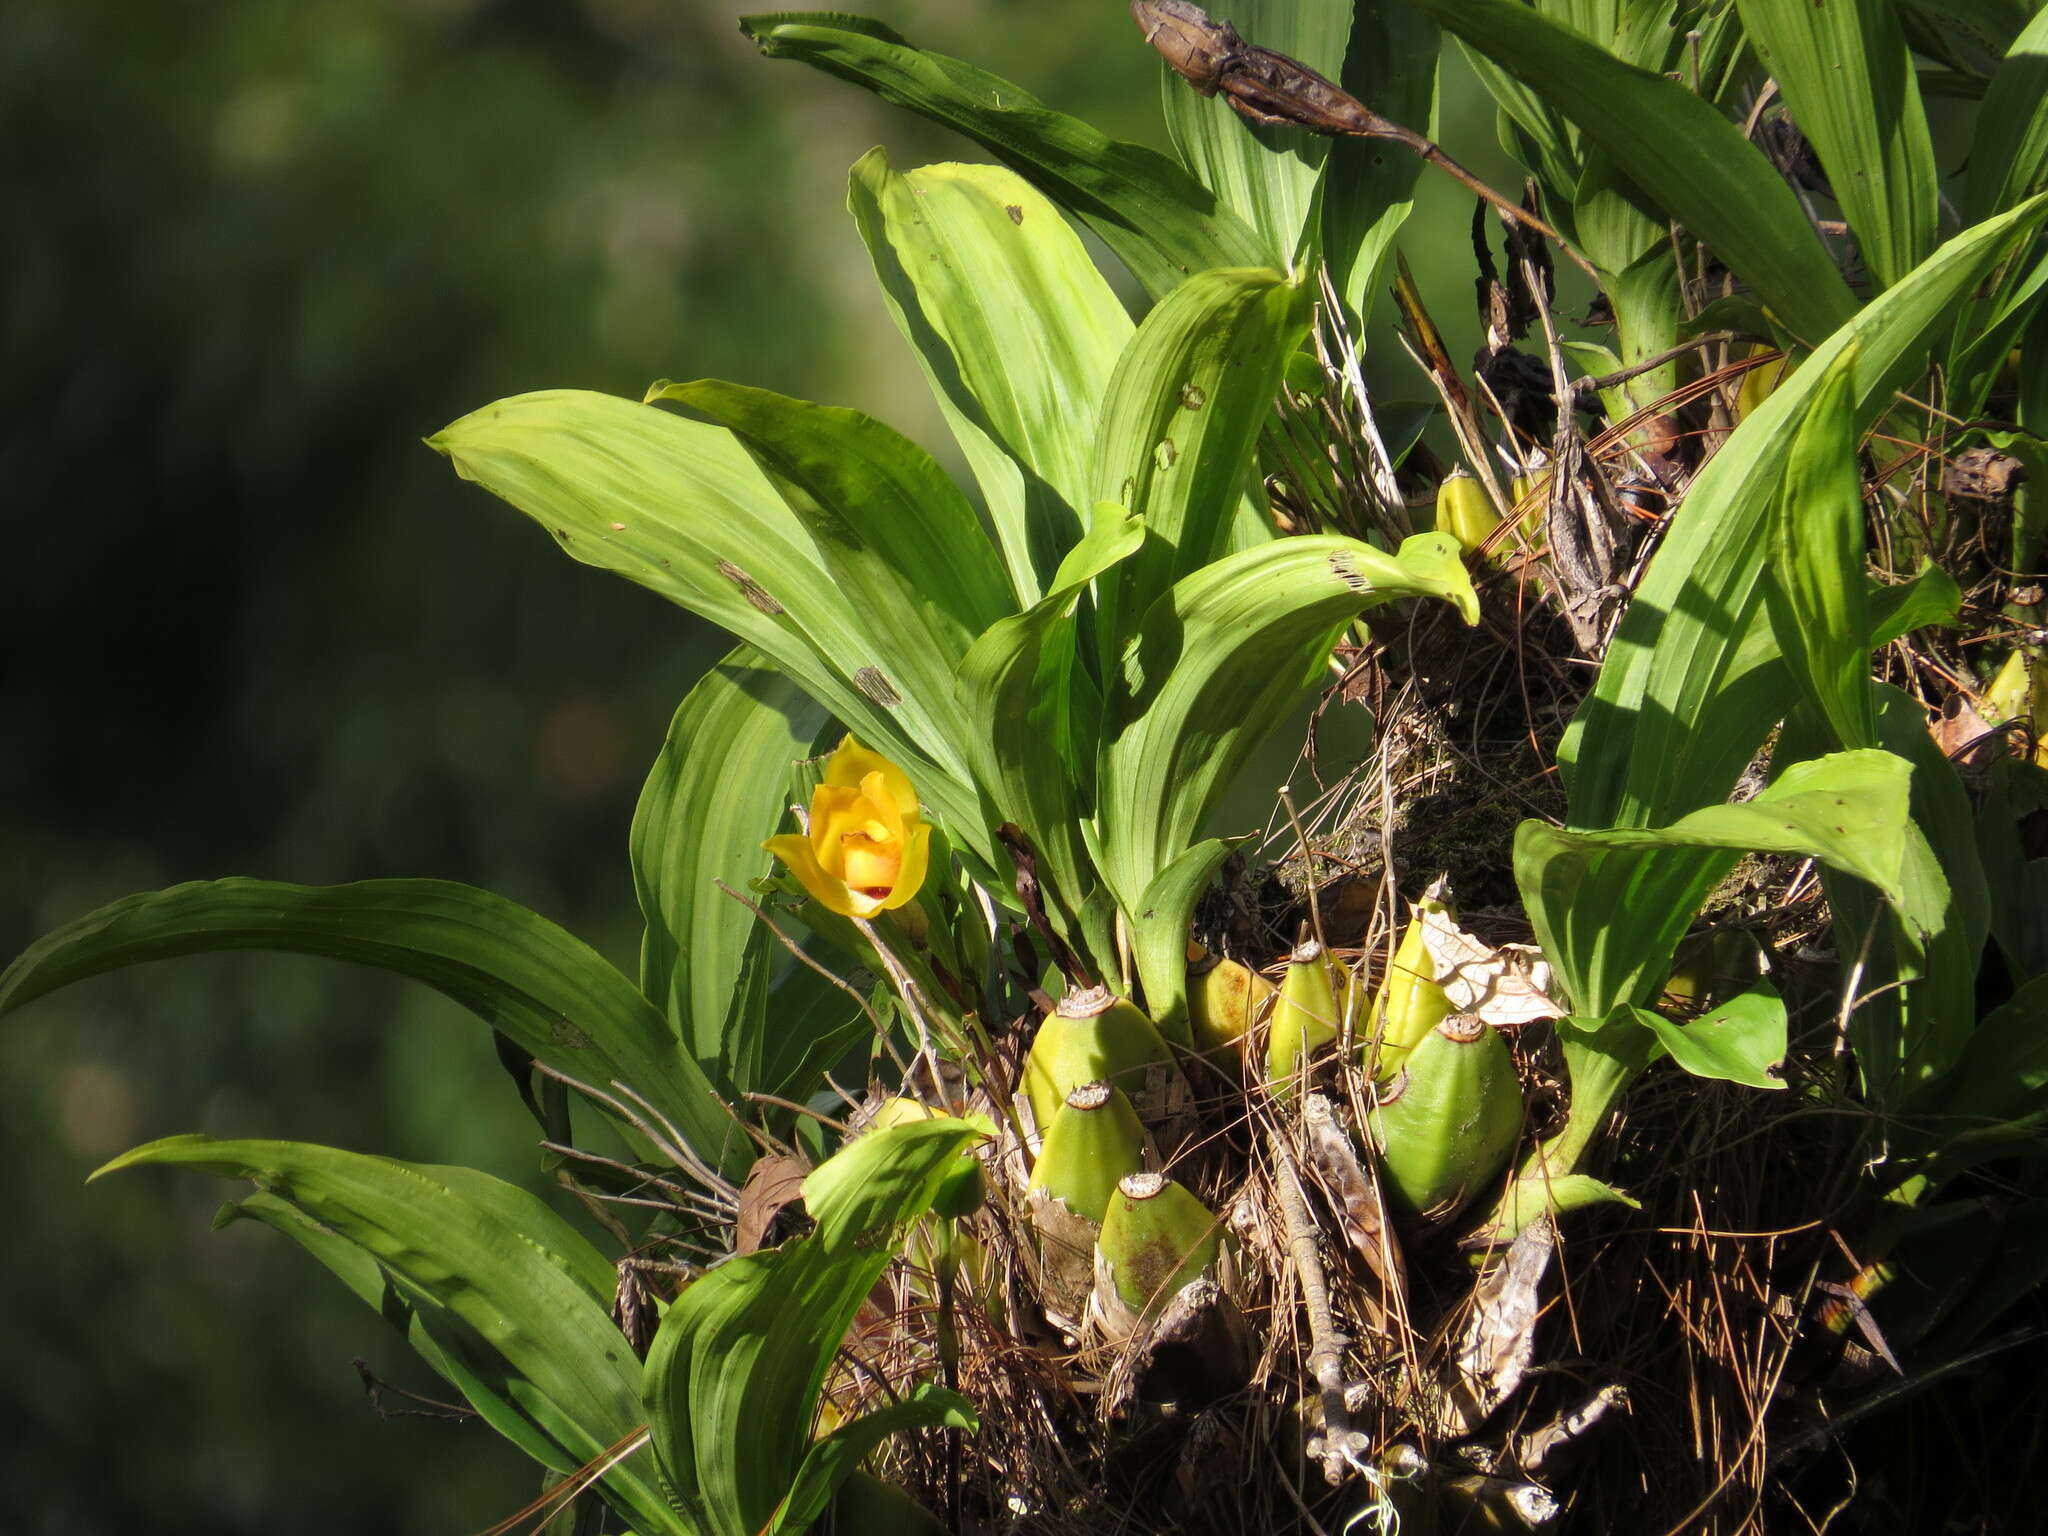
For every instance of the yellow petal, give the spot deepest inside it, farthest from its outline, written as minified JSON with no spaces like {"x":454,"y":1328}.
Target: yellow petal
{"x":827,"y":890}
{"x":872,"y":868}
{"x":882,"y":803}
{"x":917,"y":849}
{"x":837,"y":813}
{"x":852,"y":763}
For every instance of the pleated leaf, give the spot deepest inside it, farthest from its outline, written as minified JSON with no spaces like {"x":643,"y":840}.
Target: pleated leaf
{"x":1161,"y":222}
{"x":1035,"y":721}
{"x":1682,"y":153}
{"x":915,"y":574}
{"x":506,"y":1265}
{"x":1739,"y":1041}
{"x":455,"y":1350}
{"x":1690,"y":631}
{"x":1847,"y":76}
{"x":734,"y":1373}
{"x":1815,"y":598}
{"x":2009,"y":156}
{"x":1016,"y":333}
{"x":1219,"y":661}
{"x":1266,"y":175}
{"x":682,"y":509}
{"x":1390,"y":64}
{"x":1848,"y":810}
{"x":521,"y":974}
{"x":1159,"y":942}
{"x":1190,"y":395}
{"x":1693,"y":680}
{"x":715,"y":792}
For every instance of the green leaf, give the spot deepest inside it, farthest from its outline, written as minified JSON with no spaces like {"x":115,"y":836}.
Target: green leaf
{"x":1693,"y":680}
{"x":440,"y":1337}
{"x":1970,"y":35}
{"x":2018,"y":885}
{"x":490,"y":1253}
{"x":914,"y":571}
{"x":1159,"y":940}
{"x":1815,"y":597}
{"x":1160,"y":221}
{"x":1683,"y":154}
{"x":1741,"y":1041}
{"x":1369,"y":185}
{"x":1849,"y":810}
{"x":1847,"y":77}
{"x":1190,"y":395}
{"x":1266,"y":175}
{"x":1534,"y":1195}
{"x":1930,"y":598}
{"x":735,"y":1370}
{"x":2003,"y":1072}
{"x":680,"y":508}
{"x":1034,"y":724}
{"x":834,"y":1458}
{"x":2009,"y":156}
{"x":1217,"y":663}
{"x":518,"y":972}
{"x":1919,"y":954}
{"x":1015,"y":330}
{"x":715,"y":792}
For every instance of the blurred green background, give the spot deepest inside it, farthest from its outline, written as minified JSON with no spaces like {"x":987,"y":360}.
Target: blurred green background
{"x":256,"y":252}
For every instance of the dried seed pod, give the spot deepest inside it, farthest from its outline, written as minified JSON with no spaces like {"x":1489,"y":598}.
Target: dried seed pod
{"x":1091,"y":1037}
{"x":1307,"y":1014}
{"x":1410,"y":1003}
{"x":1448,"y":1121}
{"x":1156,"y":1238}
{"x":1224,"y":1000}
{"x":1093,"y":1141}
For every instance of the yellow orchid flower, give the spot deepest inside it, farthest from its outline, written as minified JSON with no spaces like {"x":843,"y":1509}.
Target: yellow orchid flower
{"x":867,"y":847}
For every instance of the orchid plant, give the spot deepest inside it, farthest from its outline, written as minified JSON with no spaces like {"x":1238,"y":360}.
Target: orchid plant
{"x":1042,"y":693}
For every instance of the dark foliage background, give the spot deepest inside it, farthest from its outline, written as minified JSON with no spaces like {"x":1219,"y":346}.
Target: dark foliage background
{"x":249,"y":625}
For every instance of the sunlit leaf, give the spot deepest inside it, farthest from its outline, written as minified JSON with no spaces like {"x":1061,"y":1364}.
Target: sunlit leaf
{"x":1847,"y":77}
{"x":1189,"y":397}
{"x":1035,"y":723}
{"x":518,"y":972}
{"x":1368,"y":184}
{"x":1160,"y":221}
{"x":1160,"y":935}
{"x":1015,"y":330}
{"x":736,"y":1368}
{"x":2009,"y":156}
{"x":1693,"y":680}
{"x":1816,"y":593}
{"x":1266,"y":175}
{"x":1684,"y":155}
{"x":1218,"y":662}
{"x":714,"y":793}
{"x":490,"y":1253}
{"x":1848,"y":810}
{"x":680,"y":507}
{"x":914,"y":571}
{"x":1739,"y":1041}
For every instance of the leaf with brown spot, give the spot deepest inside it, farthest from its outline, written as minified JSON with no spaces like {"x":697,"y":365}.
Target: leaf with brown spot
{"x":773,"y":1183}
